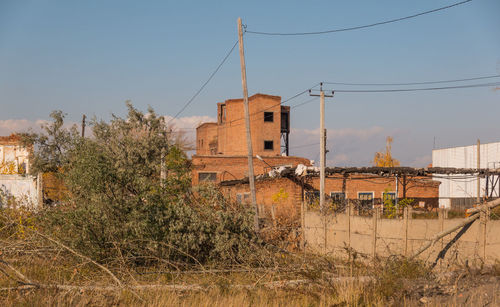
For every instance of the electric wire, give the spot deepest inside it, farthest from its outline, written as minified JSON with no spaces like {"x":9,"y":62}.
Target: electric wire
{"x":362,"y":26}
{"x":417,"y":89}
{"x":277,"y":104}
{"x":303,"y":103}
{"x":305,"y":145}
{"x":301,"y":93}
{"x":204,"y":84}
{"x":413,"y":83}
{"x":365,"y":91}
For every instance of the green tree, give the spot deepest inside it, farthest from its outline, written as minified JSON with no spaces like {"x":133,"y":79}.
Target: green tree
{"x":51,"y":147}
{"x":130,"y":195}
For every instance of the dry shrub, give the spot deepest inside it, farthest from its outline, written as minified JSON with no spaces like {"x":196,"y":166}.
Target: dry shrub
{"x":282,"y":226}
{"x":394,"y":274}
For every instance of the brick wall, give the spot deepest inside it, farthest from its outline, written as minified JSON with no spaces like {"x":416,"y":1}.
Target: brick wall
{"x":206,"y":139}
{"x":416,"y":187}
{"x":230,"y":130}
{"x":266,"y":189}
{"x":421,"y":189}
{"x":236,"y":167}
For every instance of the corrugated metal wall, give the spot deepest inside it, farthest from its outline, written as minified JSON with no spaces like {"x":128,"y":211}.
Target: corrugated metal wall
{"x":461,"y":186}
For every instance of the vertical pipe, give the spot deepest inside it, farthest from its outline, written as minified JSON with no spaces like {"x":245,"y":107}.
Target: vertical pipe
{"x":396,"y":199}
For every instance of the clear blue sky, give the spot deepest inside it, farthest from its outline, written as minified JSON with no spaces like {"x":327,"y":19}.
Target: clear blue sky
{"x":90,"y":56}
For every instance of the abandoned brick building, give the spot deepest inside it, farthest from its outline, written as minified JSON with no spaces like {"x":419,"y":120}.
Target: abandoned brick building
{"x":362,"y":189}
{"x":221,"y":148}
{"x":221,"y":158}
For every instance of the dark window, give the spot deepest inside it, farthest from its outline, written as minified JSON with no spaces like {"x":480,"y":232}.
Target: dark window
{"x":268,"y":116}
{"x":337,"y":197}
{"x":365,"y":199}
{"x":222,"y":115}
{"x":312,"y":198}
{"x":243,"y":198}
{"x":388,"y":196}
{"x":268,"y":145}
{"x":207,"y":177}
{"x":338,"y":201}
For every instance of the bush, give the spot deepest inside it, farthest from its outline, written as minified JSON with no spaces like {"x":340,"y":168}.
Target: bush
{"x":130,"y":196}
{"x":395,"y":272}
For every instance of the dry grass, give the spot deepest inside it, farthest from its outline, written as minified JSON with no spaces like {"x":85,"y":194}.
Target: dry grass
{"x":35,"y":271}
{"x":317,"y":281}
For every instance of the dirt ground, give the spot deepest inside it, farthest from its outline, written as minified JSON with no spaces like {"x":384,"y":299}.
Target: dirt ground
{"x":459,"y":288}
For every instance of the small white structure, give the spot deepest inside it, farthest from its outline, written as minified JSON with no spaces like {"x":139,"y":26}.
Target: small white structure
{"x":462,"y":189}
{"x":14,"y":157}
{"x":24,"y":189}
{"x":15,"y":181}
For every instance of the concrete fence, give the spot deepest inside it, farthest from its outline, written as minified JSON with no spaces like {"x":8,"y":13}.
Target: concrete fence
{"x":344,"y":235}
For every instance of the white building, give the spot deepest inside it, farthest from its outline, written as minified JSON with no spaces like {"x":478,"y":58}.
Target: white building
{"x":15,"y":181}
{"x":460,"y":191}
{"x":13,"y":156}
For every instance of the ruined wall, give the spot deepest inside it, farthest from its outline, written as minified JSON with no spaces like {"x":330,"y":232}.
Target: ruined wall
{"x":232,"y":129}
{"x":206,"y":139}
{"x":236,"y":167}
{"x":283,"y":193}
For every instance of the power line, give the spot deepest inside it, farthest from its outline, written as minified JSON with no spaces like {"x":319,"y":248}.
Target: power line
{"x":366,"y":91}
{"x":263,"y":110}
{"x":360,"y":27}
{"x":301,"y":93}
{"x":303,"y":103}
{"x":418,"y":89}
{"x":204,"y":84}
{"x":413,"y":83}
{"x":277,"y":104}
{"x":305,"y":145}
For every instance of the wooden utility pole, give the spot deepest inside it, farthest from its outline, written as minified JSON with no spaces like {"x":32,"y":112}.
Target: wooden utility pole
{"x":83,"y":125}
{"x":322,"y":146}
{"x":251,"y":178}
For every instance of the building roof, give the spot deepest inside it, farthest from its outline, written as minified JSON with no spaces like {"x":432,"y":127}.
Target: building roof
{"x":12,"y":139}
{"x":206,"y":124}
{"x":254,"y":96}
{"x":465,"y":146}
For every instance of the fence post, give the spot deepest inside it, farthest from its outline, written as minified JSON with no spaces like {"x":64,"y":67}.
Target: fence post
{"x":325,"y":231}
{"x":375,"y":216}
{"x":441,"y":217}
{"x":273,"y":215}
{"x":349,"y":212}
{"x":39,"y":186}
{"x":406,"y":222}
{"x":484,"y":217}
